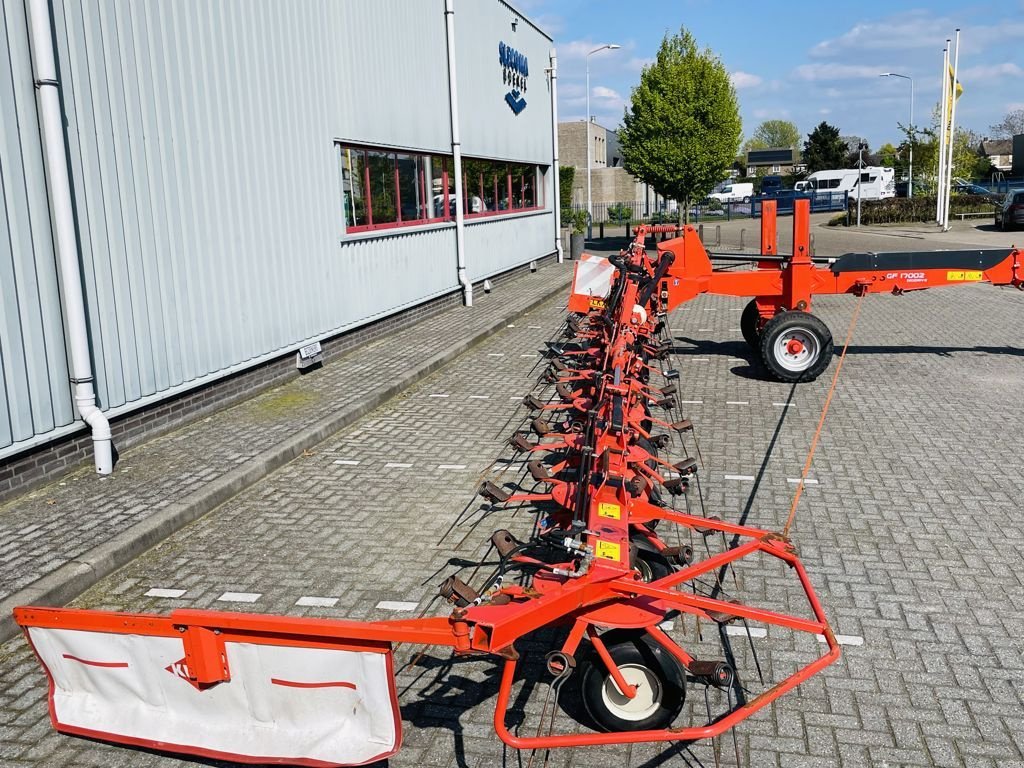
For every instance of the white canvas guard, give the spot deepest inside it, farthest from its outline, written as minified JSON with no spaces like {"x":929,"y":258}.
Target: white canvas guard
{"x":593,"y":276}
{"x":310,"y":706}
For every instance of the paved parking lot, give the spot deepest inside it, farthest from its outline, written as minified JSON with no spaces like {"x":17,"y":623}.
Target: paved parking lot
{"x":911,"y":533}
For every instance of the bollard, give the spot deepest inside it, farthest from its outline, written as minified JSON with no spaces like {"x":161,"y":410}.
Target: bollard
{"x":700,"y":232}
{"x":600,"y":230}
{"x":742,"y":233}
{"x":812,"y":244}
{"x":718,"y":235}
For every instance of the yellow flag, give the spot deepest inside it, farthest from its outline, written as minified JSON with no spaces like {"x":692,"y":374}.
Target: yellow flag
{"x":955,"y":84}
{"x":954,"y":88}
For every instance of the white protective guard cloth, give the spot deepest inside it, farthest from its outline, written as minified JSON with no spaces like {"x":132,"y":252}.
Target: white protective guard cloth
{"x":285,"y":704}
{"x":592,"y":276}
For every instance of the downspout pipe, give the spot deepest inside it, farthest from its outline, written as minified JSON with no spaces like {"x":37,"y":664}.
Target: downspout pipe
{"x":554,"y":152}
{"x":62,"y":214}
{"x":453,"y":99}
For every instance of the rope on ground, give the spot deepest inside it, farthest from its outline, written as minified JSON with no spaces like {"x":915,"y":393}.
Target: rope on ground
{"x":821,"y":420}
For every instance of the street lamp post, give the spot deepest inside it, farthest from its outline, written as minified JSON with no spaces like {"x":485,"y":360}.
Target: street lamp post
{"x":590,"y":213}
{"x":910,"y":182}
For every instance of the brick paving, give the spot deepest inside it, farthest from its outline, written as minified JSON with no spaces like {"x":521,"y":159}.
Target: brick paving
{"x":35,"y":534}
{"x":911,"y":535}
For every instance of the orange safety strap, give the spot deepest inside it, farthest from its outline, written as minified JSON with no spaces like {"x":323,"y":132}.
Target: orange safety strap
{"x":824,"y":413}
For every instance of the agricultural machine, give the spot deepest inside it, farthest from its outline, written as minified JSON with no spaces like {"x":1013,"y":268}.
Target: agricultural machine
{"x":609,"y":560}
{"x":793,"y":343}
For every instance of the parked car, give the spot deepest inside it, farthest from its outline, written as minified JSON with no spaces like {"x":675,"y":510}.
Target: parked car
{"x":784,"y":198}
{"x":963,"y":187}
{"x":1010,"y":214}
{"x":734,"y":193}
{"x":770,"y":184}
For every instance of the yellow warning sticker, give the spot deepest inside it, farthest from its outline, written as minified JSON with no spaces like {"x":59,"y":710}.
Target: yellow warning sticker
{"x":609,"y":510}
{"x":609,"y":550}
{"x":974,"y":276}
{"x":954,"y":276}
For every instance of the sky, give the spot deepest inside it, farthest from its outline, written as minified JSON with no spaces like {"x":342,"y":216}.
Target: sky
{"x":799,"y":61}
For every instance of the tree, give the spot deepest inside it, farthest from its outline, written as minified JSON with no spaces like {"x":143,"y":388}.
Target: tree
{"x":824,"y":150}
{"x":888,"y":155}
{"x":774,"y":134}
{"x":1009,"y":126}
{"x":566,"y":177}
{"x":968,"y":163}
{"x":682,"y":128}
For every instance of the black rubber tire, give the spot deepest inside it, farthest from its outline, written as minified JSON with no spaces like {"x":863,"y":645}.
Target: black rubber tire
{"x":808,"y":324}
{"x":749,"y":322}
{"x":629,"y":647}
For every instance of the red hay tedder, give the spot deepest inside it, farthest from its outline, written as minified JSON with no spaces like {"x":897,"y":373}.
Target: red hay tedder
{"x":596,"y":571}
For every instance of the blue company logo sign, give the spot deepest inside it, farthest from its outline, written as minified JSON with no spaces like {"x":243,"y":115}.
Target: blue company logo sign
{"x":515,"y":69}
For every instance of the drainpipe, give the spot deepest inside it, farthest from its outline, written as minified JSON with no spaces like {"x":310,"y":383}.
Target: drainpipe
{"x":453,"y":99}
{"x":553,"y":69}
{"x":62,"y":214}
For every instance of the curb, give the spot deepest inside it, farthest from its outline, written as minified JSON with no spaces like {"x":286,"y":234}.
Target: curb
{"x":67,"y":582}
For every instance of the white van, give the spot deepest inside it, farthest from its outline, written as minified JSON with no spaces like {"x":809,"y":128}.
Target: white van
{"x":875,"y":182}
{"x":734,"y":193}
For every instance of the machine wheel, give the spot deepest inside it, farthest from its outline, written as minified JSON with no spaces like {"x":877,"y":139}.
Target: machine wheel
{"x":660,"y":681}
{"x":796,"y":346}
{"x":749,"y":322}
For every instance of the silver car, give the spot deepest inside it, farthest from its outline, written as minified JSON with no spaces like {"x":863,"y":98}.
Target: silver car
{"x":1011,"y":213}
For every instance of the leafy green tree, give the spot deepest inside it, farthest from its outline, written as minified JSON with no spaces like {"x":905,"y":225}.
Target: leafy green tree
{"x":566,"y":177}
{"x":682,"y":128}
{"x":824,"y":149}
{"x":889,"y":156}
{"x":774,"y":134}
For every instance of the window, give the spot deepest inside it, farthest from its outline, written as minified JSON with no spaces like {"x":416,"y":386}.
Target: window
{"x":383,"y":188}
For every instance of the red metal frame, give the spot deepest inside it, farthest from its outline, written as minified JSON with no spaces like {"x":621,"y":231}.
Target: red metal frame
{"x":792,"y":284}
{"x":605,"y":501}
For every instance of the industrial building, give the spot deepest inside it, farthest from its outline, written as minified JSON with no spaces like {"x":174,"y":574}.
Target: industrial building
{"x":195,"y":190}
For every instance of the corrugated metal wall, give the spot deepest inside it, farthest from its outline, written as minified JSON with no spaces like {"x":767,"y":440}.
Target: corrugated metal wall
{"x":34,"y":395}
{"x":201,"y":139}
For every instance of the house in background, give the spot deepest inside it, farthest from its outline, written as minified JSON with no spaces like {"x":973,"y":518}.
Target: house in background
{"x":776,"y":160}
{"x":999,"y":152}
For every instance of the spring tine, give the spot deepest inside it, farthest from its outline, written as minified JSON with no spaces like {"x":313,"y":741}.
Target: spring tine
{"x":753,"y":650}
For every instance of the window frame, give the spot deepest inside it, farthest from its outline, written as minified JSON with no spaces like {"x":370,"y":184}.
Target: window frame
{"x":514,"y":174}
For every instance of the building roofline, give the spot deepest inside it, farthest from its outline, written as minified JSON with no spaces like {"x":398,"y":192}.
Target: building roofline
{"x":523,"y":17}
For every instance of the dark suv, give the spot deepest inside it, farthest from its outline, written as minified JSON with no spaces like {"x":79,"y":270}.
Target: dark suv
{"x":1010,"y":214}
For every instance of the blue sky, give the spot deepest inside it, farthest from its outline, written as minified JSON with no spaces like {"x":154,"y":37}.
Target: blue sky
{"x":800,"y":61}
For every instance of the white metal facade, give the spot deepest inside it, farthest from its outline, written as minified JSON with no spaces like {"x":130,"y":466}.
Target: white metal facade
{"x":201,"y":142}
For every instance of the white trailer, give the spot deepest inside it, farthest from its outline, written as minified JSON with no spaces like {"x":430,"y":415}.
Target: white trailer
{"x":875,"y":182}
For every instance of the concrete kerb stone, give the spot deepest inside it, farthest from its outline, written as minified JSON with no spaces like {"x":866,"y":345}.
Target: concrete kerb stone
{"x":70,"y":580}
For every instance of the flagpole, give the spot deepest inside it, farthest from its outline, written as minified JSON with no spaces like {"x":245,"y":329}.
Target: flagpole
{"x":952,"y":127}
{"x":943,"y":103}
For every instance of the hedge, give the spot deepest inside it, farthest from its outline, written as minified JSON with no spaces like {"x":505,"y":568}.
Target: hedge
{"x":897,"y":210}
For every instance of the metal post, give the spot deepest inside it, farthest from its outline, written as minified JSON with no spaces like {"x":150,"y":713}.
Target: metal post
{"x":939,"y":186}
{"x":556,"y":186}
{"x":860,"y":174}
{"x":910,"y":172}
{"x":951,"y":133}
{"x":590,"y":213}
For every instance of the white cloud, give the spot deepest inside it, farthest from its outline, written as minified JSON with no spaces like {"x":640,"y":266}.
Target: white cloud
{"x":743,"y":80}
{"x":819,"y":72}
{"x":917,"y":29}
{"x":1013,"y":106}
{"x":771,"y":113}
{"x":824,"y":111}
{"x":578,"y":49}
{"x":990,"y":71}
{"x":636,"y":64}
{"x":600,"y":92}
